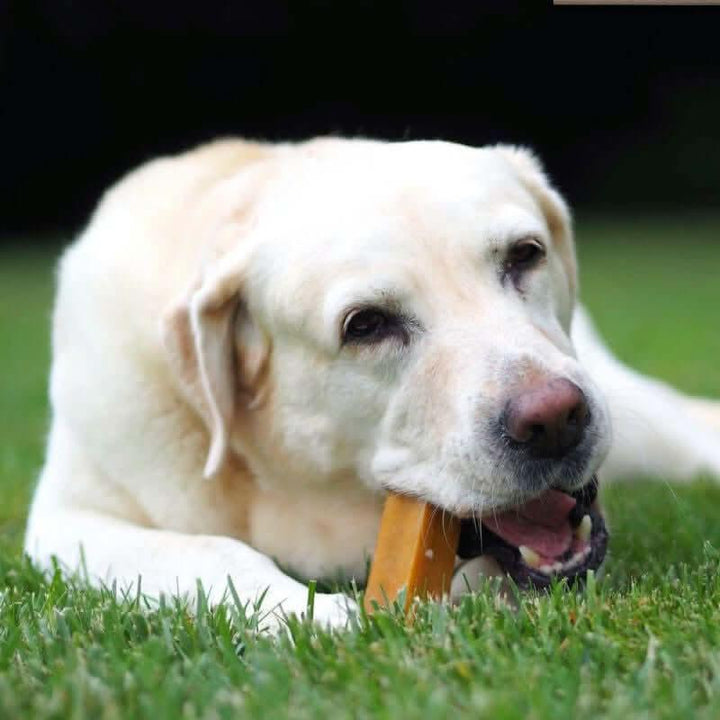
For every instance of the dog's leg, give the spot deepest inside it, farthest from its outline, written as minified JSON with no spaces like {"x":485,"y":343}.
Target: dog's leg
{"x":108,"y":548}
{"x":657,"y":431}
{"x":707,"y":412}
{"x":170,"y":563}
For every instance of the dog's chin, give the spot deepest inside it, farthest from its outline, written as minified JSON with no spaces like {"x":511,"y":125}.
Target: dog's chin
{"x":558,"y":535}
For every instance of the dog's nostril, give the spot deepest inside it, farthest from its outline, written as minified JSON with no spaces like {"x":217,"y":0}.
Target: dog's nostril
{"x":578,"y":414}
{"x":549,"y":420}
{"x":535,"y":432}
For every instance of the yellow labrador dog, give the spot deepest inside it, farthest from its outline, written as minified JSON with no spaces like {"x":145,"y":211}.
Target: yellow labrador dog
{"x":253,"y":343}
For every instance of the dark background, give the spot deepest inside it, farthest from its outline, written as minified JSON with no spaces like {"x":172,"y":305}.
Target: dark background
{"x":623,"y":104}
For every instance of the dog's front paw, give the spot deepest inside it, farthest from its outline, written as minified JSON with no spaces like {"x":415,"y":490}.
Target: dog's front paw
{"x":333,"y":610}
{"x":471,"y":575}
{"x":329,"y":610}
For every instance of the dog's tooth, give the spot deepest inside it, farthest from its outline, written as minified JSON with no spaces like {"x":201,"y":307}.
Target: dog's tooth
{"x":531,"y":558}
{"x":584,"y":529}
{"x":577,"y":558}
{"x":547,"y":569}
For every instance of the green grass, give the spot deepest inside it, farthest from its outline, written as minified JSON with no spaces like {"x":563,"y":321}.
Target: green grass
{"x":642,"y":642}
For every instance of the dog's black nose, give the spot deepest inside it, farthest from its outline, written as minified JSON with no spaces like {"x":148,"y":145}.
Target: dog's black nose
{"x":548,"y":420}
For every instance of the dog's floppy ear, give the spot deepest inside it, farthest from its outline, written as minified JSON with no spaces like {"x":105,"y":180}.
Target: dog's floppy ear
{"x":554,"y":208}
{"x":215,"y":351}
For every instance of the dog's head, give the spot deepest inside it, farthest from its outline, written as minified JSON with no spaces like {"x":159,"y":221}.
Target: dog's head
{"x":396,"y":314}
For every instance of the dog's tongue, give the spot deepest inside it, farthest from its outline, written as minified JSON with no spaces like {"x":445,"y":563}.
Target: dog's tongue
{"x":541,"y":524}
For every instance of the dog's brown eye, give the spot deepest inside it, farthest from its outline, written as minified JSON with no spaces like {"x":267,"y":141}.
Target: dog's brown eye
{"x":522,"y":256}
{"x":365,"y":325}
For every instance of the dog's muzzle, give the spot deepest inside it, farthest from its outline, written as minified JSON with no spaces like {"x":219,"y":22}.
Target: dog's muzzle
{"x":557,"y":535}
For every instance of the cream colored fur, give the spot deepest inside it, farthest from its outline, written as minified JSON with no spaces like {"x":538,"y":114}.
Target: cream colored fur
{"x":207,"y":420}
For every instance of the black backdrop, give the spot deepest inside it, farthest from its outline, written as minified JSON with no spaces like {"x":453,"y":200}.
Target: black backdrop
{"x":623,"y":104}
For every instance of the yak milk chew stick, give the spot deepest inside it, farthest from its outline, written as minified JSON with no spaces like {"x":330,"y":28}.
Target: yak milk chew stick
{"x":415,"y":550}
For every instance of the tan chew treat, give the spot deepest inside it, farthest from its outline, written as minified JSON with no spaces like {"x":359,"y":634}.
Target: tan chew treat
{"x":415,"y":550}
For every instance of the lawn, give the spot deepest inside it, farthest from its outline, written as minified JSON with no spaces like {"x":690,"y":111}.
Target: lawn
{"x":643,"y":641}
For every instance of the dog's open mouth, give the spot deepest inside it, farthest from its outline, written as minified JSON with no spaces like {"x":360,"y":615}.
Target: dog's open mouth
{"x":556,"y":535}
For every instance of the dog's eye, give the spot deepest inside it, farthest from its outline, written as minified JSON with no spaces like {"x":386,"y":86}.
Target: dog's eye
{"x":367,"y":324}
{"x":523,"y":255}
{"x":371,"y":325}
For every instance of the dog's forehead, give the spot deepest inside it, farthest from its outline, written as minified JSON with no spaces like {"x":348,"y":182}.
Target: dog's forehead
{"x":415,"y":223}
{"x":348,"y":198}
{"x":380,"y":175}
